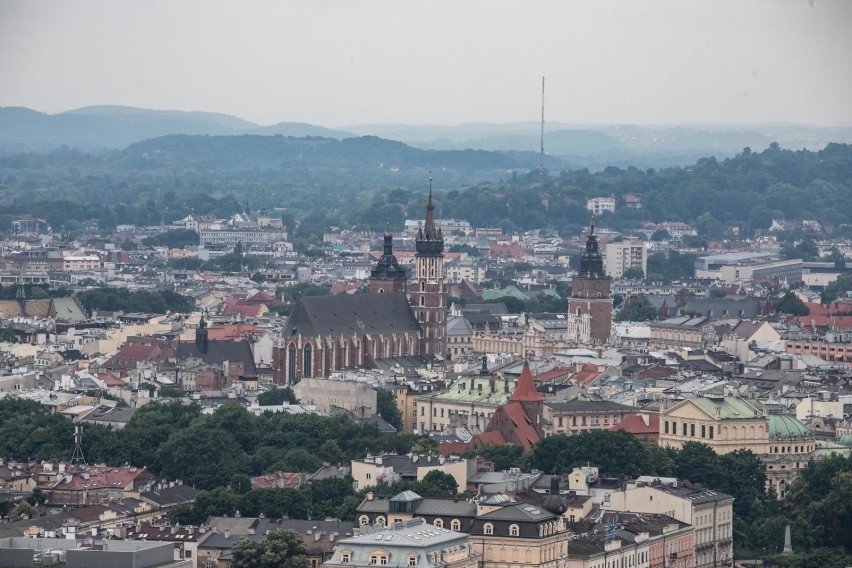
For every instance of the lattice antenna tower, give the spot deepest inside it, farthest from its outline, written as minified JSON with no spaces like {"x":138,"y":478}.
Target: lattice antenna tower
{"x":78,"y":461}
{"x":541,"y":156}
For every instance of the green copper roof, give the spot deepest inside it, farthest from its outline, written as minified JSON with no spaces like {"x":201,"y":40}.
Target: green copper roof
{"x":510,"y":291}
{"x":730,"y":407}
{"x":845,"y":440}
{"x":478,"y":389}
{"x":406,"y":497}
{"x":783,"y":426}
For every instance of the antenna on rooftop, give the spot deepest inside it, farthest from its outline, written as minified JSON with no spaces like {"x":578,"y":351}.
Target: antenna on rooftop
{"x":541,"y":156}
{"x":78,"y":461}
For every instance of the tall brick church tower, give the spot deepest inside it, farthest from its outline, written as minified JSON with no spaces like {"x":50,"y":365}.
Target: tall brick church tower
{"x":387,"y":276}
{"x":429,"y":289}
{"x":590,"y":304}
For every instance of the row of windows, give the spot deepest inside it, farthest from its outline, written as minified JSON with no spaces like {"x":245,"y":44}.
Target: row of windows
{"x":307,"y":356}
{"x":455,"y":524}
{"x":789,"y":449}
{"x":706,"y":432}
{"x":625,"y":562}
{"x":592,"y":420}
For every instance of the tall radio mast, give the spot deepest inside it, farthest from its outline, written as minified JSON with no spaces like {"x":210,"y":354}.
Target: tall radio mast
{"x":541,"y":157}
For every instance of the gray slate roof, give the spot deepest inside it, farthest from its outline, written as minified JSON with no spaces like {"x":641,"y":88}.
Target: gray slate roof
{"x":346,"y":314}
{"x":218,"y":352}
{"x":589,"y":406}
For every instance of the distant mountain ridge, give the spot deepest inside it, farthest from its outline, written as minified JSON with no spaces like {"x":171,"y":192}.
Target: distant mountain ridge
{"x":97,"y":128}
{"x":116,"y":127}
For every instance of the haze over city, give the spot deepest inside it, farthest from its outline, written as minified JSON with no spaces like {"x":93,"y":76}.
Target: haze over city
{"x":346,"y":63}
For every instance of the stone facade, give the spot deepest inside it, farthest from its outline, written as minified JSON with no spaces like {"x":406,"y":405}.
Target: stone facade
{"x":727,"y":424}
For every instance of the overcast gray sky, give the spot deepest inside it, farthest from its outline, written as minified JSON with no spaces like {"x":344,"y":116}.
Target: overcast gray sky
{"x":338,"y":63}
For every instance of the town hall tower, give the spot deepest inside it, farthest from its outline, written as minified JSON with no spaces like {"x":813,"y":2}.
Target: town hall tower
{"x":590,"y":304}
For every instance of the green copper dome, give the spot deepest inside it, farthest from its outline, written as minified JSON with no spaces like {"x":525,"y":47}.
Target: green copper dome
{"x":845,"y":440}
{"x":783,"y":426}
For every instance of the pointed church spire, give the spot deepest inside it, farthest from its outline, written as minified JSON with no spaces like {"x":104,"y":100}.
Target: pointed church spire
{"x":430,"y":239}
{"x":525,"y":389}
{"x":429,"y":230}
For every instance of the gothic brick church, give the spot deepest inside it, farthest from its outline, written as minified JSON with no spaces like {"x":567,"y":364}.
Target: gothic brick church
{"x":325,"y":334}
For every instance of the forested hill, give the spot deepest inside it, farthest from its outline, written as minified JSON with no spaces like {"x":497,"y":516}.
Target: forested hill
{"x":280,"y":152}
{"x":746,"y":191}
{"x":366,"y":182}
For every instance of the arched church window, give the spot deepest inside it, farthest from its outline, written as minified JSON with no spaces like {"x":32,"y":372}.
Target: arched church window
{"x":307,"y":359}
{"x":291,"y":363}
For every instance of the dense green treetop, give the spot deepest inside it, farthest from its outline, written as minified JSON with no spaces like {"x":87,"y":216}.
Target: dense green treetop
{"x":746,"y":191}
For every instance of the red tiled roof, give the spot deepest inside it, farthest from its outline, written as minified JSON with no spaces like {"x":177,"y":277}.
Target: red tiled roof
{"x":524,"y":428}
{"x":553,"y":374}
{"x":448,"y":448}
{"x":260,"y":298}
{"x":635,"y":424}
{"x":110,"y":379}
{"x":138,"y":351}
{"x":507,"y":250}
{"x":99,"y":477}
{"x":490,"y":438}
{"x":343,"y":287}
{"x":815,"y":309}
{"x":130,"y":354}
{"x":242,"y":309}
{"x":525,"y":389}
{"x":839,"y":323}
{"x":588,"y":375}
{"x":230,"y":332}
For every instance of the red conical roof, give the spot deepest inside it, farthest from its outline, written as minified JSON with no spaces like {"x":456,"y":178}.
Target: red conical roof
{"x":525,"y":391}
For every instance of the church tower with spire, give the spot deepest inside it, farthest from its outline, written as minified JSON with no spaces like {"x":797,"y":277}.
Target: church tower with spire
{"x":590,"y":304}
{"x":429,"y":289}
{"x":387,"y":276}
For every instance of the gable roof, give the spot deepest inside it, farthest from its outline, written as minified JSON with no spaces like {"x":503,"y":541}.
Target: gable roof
{"x":635,"y":424}
{"x":730,"y":407}
{"x":524,"y":429}
{"x":316,"y":316}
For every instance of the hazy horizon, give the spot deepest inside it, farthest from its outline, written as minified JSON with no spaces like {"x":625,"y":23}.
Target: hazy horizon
{"x":341,"y":64}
